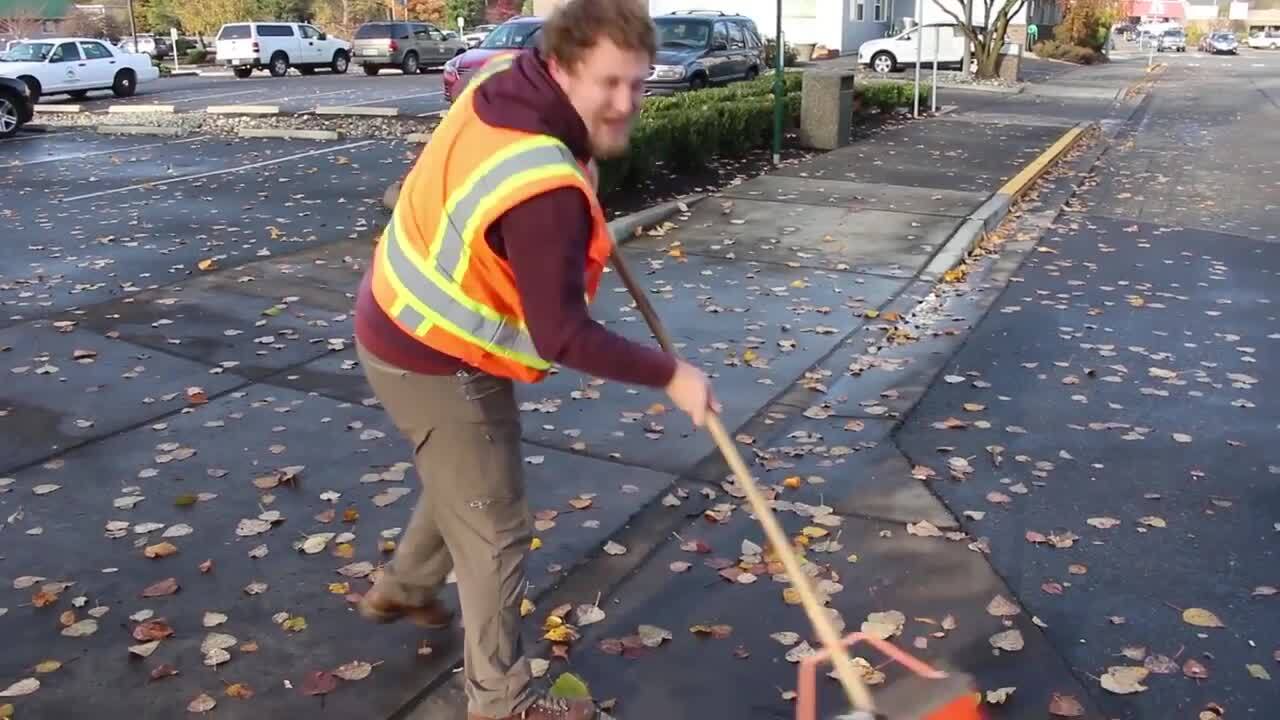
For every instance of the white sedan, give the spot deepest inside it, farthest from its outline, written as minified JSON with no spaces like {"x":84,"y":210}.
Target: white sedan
{"x":75,"y":66}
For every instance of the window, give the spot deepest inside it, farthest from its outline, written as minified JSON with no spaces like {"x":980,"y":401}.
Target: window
{"x":434,"y":33}
{"x":235,"y":32}
{"x":682,"y":34}
{"x":753,"y":37}
{"x":66,"y":52}
{"x":420,"y":32}
{"x":720,"y":35}
{"x":878,"y":11}
{"x":512,"y":35}
{"x":859,"y":10}
{"x":737,"y":40}
{"x":309,"y":33}
{"x":95,"y":50}
{"x":275,"y":31}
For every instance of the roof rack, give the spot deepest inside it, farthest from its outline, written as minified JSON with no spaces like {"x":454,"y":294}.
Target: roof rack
{"x":719,"y":13}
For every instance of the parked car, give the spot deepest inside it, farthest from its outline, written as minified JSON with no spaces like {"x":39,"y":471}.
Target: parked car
{"x":409,"y":46}
{"x":75,"y":66}
{"x":701,"y":48}
{"x":278,"y":46}
{"x":1265,"y":39}
{"x":477,"y":34}
{"x":16,"y":106}
{"x":148,"y":44}
{"x":884,"y":55}
{"x":508,"y":38}
{"x":1219,"y":42}
{"x":1173,"y":40}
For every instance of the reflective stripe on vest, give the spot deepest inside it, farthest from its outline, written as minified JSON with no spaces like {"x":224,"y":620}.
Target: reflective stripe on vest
{"x":534,"y":159}
{"x":422,"y":303}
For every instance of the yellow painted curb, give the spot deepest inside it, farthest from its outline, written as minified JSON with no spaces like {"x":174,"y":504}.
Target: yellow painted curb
{"x":1019,"y":183}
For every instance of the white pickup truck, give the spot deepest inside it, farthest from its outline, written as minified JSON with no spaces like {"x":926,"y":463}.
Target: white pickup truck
{"x":75,"y":66}
{"x":277,"y":46}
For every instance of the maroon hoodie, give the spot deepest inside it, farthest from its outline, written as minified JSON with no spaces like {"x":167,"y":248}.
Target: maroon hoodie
{"x":545,"y":240}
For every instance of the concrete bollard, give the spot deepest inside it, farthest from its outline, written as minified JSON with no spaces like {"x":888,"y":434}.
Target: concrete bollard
{"x":1009,"y":66}
{"x":826,"y":109}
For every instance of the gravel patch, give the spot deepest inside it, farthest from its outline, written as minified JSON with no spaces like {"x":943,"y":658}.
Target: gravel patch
{"x":199,"y":122}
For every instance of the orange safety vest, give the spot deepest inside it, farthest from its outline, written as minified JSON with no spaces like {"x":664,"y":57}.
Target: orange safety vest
{"x":433,"y":272}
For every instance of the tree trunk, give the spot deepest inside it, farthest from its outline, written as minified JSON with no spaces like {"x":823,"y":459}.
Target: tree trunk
{"x":989,"y":59}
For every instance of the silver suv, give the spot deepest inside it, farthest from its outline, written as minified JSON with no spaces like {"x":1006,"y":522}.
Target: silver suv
{"x":409,"y":46}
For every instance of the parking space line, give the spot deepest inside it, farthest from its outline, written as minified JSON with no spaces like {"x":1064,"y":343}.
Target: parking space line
{"x":394,"y":99}
{"x":81,"y":156}
{"x":212,"y":173}
{"x":218,"y":95}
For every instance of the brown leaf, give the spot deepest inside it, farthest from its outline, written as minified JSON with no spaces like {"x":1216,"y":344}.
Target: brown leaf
{"x":1194,"y":669}
{"x":203,"y":702}
{"x":319,"y":682}
{"x":160,"y":550}
{"x":161,"y":672}
{"x":43,"y":598}
{"x":196,"y":396}
{"x":168,"y":586}
{"x":239,"y":691}
{"x":1201,"y":618}
{"x":152,"y":630}
{"x":1065,"y":706}
{"x":206,"y":567}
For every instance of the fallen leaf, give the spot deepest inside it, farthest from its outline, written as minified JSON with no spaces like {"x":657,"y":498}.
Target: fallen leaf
{"x":216,"y":657}
{"x":45,"y":489}
{"x":163,"y":671}
{"x":47,"y":666}
{"x":652,"y":635}
{"x":213,"y":619}
{"x":1103,"y":523}
{"x":203,"y":702}
{"x":168,"y":586}
{"x":354,"y":670}
{"x":20,"y":688}
{"x":786,"y":638}
{"x":1124,"y":680}
{"x":614,"y":548}
{"x":152,"y":630}
{"x":1002,"y":607}
{"x":296,"y":623}
{"x":239,"y":691}
{"x":319,"y":683}
{"x":1201,"y":618}
{"x":884,"y":625}
{"x":1195,"y":669}
{"x":1258,"y":671}
{"x":1181,"y":438}
{"x":999,"y":695}
{"x":84,"y":628}
{"x":589,"y":615}
{"x":160,"y":550}
{"x":1009,"y":640}
{"x":1065,"y":706}
{"x":679,"y":566}
{"x":217,"y":641}
{"x":145,"y":649}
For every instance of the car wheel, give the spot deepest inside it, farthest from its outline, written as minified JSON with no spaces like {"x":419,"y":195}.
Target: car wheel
{"x":279,"y":65}
{"x":125,"y":84}
{"x":409,"y":65}
{"x":340,"y":63}
{"x":243,"y":72}
{"x":371,"y":70}
{"x":883,"y":63}
{"x":697,"y":82}
{"x":10,"y":118}
{"x":78,"y":94}
{"x":33,"y":86}
{"x":752,"y":73}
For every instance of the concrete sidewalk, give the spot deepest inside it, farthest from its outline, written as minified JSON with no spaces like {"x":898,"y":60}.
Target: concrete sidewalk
{"x":207,"y":414}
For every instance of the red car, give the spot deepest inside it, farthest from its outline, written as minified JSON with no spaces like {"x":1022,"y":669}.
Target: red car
{"x":510,"y":37}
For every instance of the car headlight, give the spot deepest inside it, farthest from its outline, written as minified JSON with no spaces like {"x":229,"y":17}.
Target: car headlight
{"x":667,"y":72}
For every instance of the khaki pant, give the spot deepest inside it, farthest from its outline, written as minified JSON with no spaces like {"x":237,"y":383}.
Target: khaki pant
{"x":472,"y":518}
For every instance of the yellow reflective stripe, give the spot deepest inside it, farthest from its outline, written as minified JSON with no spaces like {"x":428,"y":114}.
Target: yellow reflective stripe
{"x":495,"y":180}
{"x":422,"y":302}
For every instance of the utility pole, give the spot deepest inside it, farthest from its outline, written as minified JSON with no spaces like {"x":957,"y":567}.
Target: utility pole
{"x":133,"y":27}
{"x":779,"y":92}
{"x":968,"y":52}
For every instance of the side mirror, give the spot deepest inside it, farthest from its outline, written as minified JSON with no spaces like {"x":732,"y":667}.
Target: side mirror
{"x":324,"y":36}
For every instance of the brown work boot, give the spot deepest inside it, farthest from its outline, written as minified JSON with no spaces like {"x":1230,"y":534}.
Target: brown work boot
{"x":549,"y":708}
{"x":376,"y":606}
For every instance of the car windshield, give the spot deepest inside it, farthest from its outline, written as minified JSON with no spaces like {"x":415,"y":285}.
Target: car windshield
{"x":1223,"y":36}
{"x":683,"y":33}
{"x":510,"y":35}
{"x":29,"y":52}
{"x":235,"y":32}
{"x":1173,"y":33}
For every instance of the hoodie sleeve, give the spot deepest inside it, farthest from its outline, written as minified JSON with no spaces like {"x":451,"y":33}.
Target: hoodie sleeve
{"x":545,"y":240}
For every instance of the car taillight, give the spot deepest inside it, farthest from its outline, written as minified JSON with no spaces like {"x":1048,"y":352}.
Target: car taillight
{"x":394,"y":46}
{"x":256,"y":47}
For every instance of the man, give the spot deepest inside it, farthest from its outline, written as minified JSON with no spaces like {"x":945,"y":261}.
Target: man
{"x":481,"y":279}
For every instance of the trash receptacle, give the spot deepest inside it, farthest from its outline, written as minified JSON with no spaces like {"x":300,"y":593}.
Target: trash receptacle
{"x":826,"y":110}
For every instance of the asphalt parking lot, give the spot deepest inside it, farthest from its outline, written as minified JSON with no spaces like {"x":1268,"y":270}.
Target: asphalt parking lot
{"x":88,"y":218}
{"x":413,"y":95}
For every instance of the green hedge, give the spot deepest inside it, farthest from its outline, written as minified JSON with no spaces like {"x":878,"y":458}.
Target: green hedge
{"x":887,"y":95}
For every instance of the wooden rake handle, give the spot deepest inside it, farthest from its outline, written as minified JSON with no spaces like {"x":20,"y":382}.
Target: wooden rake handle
{"x":855,"y":689}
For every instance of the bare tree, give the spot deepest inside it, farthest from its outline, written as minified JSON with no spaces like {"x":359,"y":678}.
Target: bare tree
{"x":20,"y":23}
{"x":987,"y":37}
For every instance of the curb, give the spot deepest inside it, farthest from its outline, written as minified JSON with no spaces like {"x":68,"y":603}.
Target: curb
{"x":215,"y":73}
{"x":289,"y":134}
{"x":70,"y":108}
{"x":992,"y":212}
{"x":418,"y":137}
{"x":243,"y":109}
{"x":357,"y":110}
{"x":183,"y":73}
{"x":116,"y":109}
{"x":624,"y":228}
{"x":141,"y":130}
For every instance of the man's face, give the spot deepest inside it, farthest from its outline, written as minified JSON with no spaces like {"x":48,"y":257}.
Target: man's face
{"x":606,"y":87}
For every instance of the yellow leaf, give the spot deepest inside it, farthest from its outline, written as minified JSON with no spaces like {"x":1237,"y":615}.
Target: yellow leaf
{"x":297,"y":623}
{"x":871,"y":314}
{"x":552,"y":622}
{"x":791,"y":596}
{"x":345,"y":551}
{"x":160,"y":550}
{"x":792,"y":482}
{"x":207,"y":264}
{"x":562,"y":634}
{"x":535,"y":544}
{"x":526,"y":607}
{"x":339,"y":588}
{"x":6,"y":711}
{"x":48,"y":666}
{"x":1201,"y":618}
{"x":750,"y":356}
{"x":1258,"y":672}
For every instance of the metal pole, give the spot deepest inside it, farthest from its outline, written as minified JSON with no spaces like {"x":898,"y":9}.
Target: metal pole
{"x":173,"y":38}
{"x":933,"y":91}
{"x":779,"y":91}
{"x":915,"y":107}
{"x":968,"y":52}
{"x":133,"y":27}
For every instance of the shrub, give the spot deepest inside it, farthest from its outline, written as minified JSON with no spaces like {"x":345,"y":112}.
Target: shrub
{"x":888,"y":95}
{"x":195,"y":56}
{"x":771,"y":53}
{"x":1056,"y":50}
